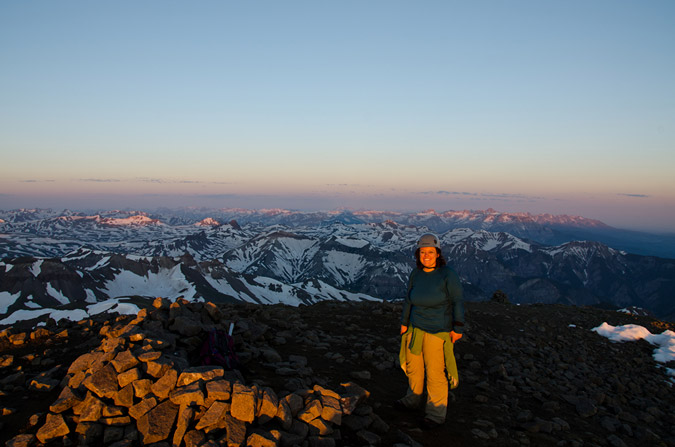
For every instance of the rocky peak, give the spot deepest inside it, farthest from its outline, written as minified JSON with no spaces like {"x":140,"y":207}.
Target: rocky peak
{"x":208,"y":222}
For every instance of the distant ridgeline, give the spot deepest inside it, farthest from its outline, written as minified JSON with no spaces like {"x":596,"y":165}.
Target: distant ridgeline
{"x":74,"y":260}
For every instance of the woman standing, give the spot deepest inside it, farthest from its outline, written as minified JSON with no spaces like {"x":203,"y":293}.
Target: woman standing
{"x":432,"y":321}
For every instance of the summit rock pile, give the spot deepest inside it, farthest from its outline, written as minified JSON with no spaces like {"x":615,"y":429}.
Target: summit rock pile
{"x":138,"y":387}
{"x":327,"y":374}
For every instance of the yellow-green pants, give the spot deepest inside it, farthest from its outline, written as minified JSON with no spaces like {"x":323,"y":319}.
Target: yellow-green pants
{"x":432,"y":362}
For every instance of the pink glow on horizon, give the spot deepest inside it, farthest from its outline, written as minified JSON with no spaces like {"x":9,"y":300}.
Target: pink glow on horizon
{"x":620,"y":211}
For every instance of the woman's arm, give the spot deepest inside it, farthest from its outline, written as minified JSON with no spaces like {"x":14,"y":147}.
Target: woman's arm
{"x":456,"y":295}
{"x":405,"y":314}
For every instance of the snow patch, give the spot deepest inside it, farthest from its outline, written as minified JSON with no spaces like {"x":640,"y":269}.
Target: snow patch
{"x":169,"y":283}
{"x":665,"y":341}
{"x":23,"y":314}
{"x":353,"y":243}
{"x":36,"y":268}
{"x":6,"y":300}
{"x":58,"y":296}
{"x":344,"y":267}
{"x":113,"y":305}
{"x":72,"y":315}
{"x":102,"y":262}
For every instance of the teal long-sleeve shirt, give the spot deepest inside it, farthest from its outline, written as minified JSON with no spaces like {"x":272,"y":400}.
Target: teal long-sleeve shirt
{"x":434,"y":301}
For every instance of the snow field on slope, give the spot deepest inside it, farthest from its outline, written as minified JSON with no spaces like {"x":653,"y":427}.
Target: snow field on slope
{"x":24,"y":314}
{"x":297,"y":247}
{"x":246,"y":255}
{"x":485,"y":240}
{"x":328,"y":292}
{"x":58,"y":296}
{"x":169,"y":283}
{"x":294,"y":254}
{"x":112,"y":304}
{"x":6,"y":300}
{"x":353,"y":243}
{"x":291,"y":255}
{"x":344,"y":267}
{"x":224,"y":287}
{"x":36,"y":268}
{"x":261,"y":290}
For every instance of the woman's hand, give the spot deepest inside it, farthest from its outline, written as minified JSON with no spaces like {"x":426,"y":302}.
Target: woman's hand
{"x":404,"y":329}
{"x":454,"y":336}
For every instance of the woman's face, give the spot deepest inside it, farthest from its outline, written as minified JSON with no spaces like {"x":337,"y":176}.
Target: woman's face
{"x":428,"y":256}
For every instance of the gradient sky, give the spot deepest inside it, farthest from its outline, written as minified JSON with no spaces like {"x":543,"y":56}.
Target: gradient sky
{"x":565,"y":107}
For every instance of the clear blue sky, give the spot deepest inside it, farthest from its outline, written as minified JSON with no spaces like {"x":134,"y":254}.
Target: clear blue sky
{"x":540,"y":106}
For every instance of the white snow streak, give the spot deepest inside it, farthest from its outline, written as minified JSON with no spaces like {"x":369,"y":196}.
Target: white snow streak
{"x":344,"y":267}
{"x":36,"y":268}
{"x":113,"y":305}
{"x":58,"y":296}
{"x":354,"y":243}
{"x":6,"y":300}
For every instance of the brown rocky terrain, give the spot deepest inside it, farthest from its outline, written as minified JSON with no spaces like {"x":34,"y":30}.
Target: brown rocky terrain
{"x":327,"y":375}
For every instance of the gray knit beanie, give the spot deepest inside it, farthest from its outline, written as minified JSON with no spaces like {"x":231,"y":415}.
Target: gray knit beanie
{"x":428,"y":240}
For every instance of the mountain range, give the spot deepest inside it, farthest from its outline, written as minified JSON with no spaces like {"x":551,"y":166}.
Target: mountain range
{"x":74,"y":259}
{"x":541,"y":228}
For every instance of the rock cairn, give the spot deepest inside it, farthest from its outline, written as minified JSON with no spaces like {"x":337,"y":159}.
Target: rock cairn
{"x":139,"y":387}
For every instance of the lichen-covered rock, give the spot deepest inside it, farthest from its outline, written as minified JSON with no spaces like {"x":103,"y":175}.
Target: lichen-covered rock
{"x":218,"y":389}
{"x":90,"y":410}
{"x":55,"y":427}
{"x":159,"y":367}
{"x":185,"y":416}
{"x":24,"y":440}
{"x":312,"y":411}
{"x":212,"y":416}
{"x":193,"y":438}
{"x":129,"y":376}
{"x":125,"y":396}
{"x":66,"y":400}
{"x":267,"y":405}
{"x":204,"y":373}
{"x":191,"y":394}
{"x":166,"y":383}
{"x":141,"y":408}
{"x":157,"y":424}
{"x":258,"y":439}
{"x":124,"y":361}
{"x":243,"y":403}
{"x":142,"y":387}
{"x":236,"y":431}
{"x":103,"y":382}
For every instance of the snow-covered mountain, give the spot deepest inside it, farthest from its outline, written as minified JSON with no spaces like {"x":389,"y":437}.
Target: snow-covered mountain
{"x":166,"y":224}
{"x":34,"y":287}
{"x":70,"y":259}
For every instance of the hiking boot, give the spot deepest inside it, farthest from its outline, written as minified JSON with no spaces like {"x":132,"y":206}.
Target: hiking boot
{"x":400,"y":406}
